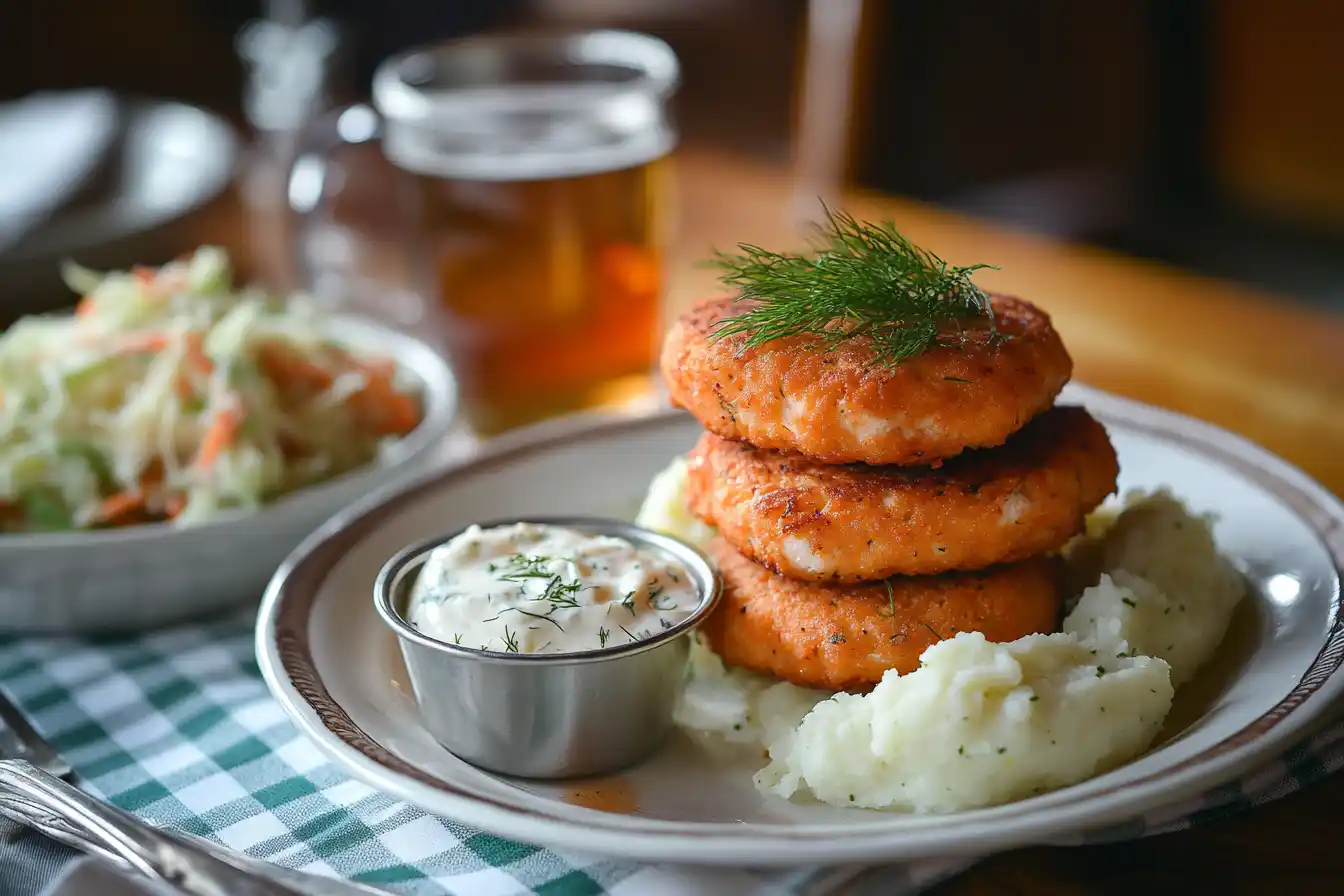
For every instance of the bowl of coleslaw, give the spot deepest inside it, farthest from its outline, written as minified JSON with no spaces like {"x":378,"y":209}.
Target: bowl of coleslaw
{"x":166,"y":445}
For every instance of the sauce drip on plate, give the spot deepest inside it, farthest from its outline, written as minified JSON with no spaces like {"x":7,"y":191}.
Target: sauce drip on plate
{"x":607,"y":795}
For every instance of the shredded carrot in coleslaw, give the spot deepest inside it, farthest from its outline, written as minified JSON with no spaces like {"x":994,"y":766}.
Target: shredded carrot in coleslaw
{"x":171,"y":394}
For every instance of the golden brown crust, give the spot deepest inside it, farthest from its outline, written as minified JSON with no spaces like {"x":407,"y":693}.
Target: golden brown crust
{"x":856,"y":523}
{"x":841,"y":406}
{"x":844,"y":637}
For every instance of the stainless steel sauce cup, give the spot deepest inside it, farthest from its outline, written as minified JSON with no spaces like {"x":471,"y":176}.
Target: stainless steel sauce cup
{"x":548,"y":715}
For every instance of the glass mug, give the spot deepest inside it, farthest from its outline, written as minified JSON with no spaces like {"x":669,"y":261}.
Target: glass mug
{"x":532,"y":185}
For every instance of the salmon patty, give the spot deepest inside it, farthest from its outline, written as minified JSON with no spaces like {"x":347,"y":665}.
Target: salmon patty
{"x":843,"y":405}
{"x":856,"y":523}
{"x":844,"y":637}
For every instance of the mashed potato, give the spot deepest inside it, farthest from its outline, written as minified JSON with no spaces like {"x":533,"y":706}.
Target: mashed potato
{"x":978,"y":723}
{"x":739,"y":705}
{"x":664,"y":508}
{"x":1165,"y":591}
{"x":982,"y":723}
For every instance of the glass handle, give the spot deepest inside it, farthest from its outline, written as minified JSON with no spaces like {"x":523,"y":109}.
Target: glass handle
{"x":315,"y":179}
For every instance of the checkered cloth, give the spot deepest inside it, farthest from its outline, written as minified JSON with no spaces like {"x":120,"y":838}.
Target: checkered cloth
{"x":178,"y":727}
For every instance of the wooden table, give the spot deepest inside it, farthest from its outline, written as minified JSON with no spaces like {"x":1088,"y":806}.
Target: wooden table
{"x":1250,"y":361}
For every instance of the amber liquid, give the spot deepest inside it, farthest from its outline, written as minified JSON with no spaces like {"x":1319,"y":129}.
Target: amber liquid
{"x":549,"y":289}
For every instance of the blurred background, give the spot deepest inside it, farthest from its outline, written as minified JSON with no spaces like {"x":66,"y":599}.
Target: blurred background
{"x":1201,"y":133}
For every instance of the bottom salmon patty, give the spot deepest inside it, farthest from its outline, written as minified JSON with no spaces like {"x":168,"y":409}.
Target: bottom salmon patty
{"x":844,"y":637}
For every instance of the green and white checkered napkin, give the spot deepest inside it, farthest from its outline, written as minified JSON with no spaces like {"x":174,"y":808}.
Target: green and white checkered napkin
{"x":178,"y":727}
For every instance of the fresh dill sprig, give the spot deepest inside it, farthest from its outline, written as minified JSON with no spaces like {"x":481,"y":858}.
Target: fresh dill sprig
{"x":510,"y":641}
{"x":560,"y":593}
{"x":521,"y":566}
{"x":860,"y":280}
{"x":602,"y":636}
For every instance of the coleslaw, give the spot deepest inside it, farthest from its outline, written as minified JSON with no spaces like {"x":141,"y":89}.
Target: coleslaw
{"x":172,"y":395}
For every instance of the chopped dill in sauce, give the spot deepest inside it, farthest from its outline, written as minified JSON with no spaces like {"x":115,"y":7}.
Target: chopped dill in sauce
{"x":530,"y":588}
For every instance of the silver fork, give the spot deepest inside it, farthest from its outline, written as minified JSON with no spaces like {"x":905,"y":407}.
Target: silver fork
{"x":19,"y":740}
{"x":33,"y":793}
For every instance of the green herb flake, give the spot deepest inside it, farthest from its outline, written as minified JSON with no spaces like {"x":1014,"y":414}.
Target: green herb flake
{"x":520,"y":567}
{"x":560,"y":594}
{"x":44,"y":509}
{"x":657,"y":594}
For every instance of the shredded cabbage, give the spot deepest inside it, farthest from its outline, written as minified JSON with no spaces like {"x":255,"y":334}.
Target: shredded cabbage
{"x":171,"y":394}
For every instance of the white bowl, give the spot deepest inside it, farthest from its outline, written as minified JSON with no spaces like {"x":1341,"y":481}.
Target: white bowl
{"x":145,"y":576}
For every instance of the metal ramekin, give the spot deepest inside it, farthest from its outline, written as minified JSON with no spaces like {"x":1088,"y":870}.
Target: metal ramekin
{"x":548,"y":715}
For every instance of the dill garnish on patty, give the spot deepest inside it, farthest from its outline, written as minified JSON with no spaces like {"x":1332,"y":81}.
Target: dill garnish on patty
{"x":860,"y":280}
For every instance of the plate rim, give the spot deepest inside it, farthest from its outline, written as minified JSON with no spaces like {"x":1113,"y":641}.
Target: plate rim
{"x":80,"y":235}
{"x":288,"y":669}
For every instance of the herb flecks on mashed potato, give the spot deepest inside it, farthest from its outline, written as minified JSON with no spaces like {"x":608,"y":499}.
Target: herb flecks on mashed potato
{"x":1165,"y":591}
{"x":977,"y":724}
{"x":982,"y":723}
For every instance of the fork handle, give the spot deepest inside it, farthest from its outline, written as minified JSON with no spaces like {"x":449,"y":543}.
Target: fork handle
{"x":64,"y":812}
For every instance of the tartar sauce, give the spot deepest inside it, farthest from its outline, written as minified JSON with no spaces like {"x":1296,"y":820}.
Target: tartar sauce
{"x":529,"y":588}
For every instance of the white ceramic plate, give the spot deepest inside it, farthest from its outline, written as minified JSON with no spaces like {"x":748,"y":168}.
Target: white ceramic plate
{"x":336,"y":670}
{"x":144,"y":576}
{"x":50,"y":144}
{"x":166,"y":161}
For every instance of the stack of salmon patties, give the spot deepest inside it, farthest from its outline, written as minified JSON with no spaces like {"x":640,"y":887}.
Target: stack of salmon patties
{"x":867,"y":510}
